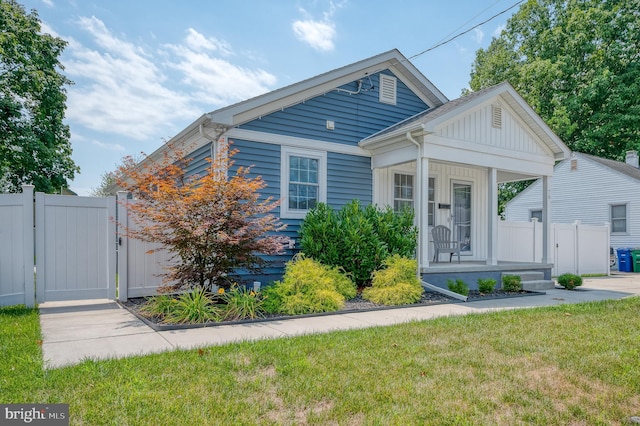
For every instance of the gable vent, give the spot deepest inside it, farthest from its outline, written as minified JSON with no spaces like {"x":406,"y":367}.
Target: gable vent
{"x":496,"y":116}
{"x":388,"y":89}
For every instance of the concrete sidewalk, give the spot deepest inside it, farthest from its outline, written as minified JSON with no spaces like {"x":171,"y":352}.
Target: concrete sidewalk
{"x":99,"y":329}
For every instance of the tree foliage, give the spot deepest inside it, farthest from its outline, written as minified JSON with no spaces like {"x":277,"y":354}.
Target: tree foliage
{"x":34,"y":141}
{"x":576,"y":63}
{"x":212,"y":224}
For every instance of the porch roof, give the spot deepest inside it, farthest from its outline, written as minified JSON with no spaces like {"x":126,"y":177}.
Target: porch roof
{"x":426,"y":121}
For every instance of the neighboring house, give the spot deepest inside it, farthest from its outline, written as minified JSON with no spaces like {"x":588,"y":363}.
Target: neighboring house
{"x":379,"y":131}
{"x":592,"y":190}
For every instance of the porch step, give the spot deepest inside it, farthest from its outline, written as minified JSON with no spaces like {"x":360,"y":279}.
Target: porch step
{"x":533,"y":280}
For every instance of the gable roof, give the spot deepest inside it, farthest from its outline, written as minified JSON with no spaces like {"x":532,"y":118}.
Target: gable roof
{"x":618,"y":166}
{"x":427,"y":121}
{"x":267,"y":103}
{"x":211,"y":126}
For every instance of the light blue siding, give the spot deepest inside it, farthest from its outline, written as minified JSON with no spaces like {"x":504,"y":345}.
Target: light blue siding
{"x":199,"y":164}
{"x":355,"y":116}
{"x":348,"y":177}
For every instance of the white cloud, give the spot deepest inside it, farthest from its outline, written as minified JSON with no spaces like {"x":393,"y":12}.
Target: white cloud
{"x":479,"y":35}
{"x":215,"y":80}
{"x":48,"y":3}
{"x":121,"y":88}
{"x":498,"y":30}
{"x":319,"y":34}
{"x":108,"y":146}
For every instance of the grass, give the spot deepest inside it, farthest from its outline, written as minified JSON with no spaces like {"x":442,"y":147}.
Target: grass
{"x":572,"y":364}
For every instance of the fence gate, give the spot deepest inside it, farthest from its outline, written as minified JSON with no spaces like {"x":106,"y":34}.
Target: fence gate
{"x":75,"y":247}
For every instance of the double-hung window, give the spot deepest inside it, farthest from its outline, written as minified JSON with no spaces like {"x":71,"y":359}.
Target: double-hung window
{"x":403,"y":194}
{"x":303,"y":181}
{"x":618,"y":218}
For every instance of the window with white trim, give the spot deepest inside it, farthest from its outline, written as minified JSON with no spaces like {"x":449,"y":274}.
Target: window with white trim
{"x":537,"y":214}
{"x":432,"y":202}
{"x":618,"y":218}
{"x":402,"y":191}
{"x":403,"y":188}
{"x":303,"y":181}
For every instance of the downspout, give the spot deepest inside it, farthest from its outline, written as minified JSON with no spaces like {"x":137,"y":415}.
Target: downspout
{"x":418,"y":205}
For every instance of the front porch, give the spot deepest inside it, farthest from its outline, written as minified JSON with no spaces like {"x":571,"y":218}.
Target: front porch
{"x":470,"y":271}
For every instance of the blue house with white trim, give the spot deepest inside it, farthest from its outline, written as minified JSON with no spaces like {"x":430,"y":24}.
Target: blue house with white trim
{"x":379,"y":131}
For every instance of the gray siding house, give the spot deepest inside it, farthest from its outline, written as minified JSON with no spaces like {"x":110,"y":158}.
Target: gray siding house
{"x":592,"y":190}
{"x":379,"y":131}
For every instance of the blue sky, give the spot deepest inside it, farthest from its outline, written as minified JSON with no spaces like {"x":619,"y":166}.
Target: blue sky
{"x":144,"y":70}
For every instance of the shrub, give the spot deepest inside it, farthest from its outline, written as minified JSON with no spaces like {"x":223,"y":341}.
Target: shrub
{"x":357,"y":239}
{"x":486,"y":285}
{"x":308,"y":287}
{"x":458,"y":286}
{"x":158,"y":306}
{"x":511,"y":283}
{"x":191,"y":308}
{"x":569,"y":281}
{"x":241,"y":303}
{"x":396,"y":284}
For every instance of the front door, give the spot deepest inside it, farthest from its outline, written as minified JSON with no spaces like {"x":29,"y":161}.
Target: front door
{"x":461,"y":215}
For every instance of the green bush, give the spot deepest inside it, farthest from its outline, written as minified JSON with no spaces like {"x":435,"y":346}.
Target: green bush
{"x":569,"y":281}
{"x":486,"y":285}
{"x":241,"y":303}
{"x":193,"y":307}
{"x":396,"y":284}
{"x":308,"y":287}
{"x":357,"y":239}
{"x":511,"y":283}
{"x":458,"y":286}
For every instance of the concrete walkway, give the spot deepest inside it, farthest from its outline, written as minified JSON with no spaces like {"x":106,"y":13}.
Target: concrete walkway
{"x":99,"y":329}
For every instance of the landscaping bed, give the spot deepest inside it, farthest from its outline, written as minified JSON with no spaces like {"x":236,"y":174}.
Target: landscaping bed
{"x":357,"y":304}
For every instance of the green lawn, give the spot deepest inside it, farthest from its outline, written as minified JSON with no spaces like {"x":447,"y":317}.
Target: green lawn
{"x":574,"y":364}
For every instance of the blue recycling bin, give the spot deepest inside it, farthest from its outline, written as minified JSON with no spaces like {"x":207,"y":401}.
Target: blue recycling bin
{"x":624,"y":260}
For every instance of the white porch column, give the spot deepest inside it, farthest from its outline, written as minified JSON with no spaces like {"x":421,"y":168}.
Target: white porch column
{"x":546,"y":220}
{"x":423,"y":168}
{"x":492,"y":195}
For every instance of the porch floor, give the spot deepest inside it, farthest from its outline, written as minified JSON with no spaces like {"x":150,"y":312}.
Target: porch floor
{"x":481,"y":266}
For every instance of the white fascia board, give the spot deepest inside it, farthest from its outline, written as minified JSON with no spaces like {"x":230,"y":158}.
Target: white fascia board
{"x":275,"y":139}
{"x":463,"y":152}
{"x":394,"y":157}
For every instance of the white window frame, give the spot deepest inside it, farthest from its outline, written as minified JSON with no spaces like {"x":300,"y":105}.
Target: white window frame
{"x":626,"y":218}
{"x":285,"y":154}
{"x":393,"y":189}
{"x":532,"y":212}
{"x":432,"y":203}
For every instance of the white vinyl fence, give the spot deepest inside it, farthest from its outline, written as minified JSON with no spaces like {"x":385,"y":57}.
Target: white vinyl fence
{"x":575,"y":248}
{"x":17,"y":285}
{"x":139,"y":264}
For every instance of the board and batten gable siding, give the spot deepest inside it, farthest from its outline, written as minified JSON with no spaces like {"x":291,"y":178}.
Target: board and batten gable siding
{"x":476,"y":126}
{"x":584,"y":194}
{"x":355,"y":116}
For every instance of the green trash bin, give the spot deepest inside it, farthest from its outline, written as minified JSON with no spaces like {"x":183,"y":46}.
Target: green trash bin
{"x":635,"y":259}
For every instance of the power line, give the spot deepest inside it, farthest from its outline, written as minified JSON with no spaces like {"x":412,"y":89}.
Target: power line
{"x":466,"y":31}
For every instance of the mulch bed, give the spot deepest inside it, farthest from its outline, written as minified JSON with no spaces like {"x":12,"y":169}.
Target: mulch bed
{"x":357,"y":304}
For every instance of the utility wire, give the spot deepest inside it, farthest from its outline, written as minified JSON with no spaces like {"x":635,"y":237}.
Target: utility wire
{"x":466,"y":31}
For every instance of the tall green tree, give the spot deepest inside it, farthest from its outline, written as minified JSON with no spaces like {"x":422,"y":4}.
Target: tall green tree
{"x":577,"y":63}
{"x":34,"y":141}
